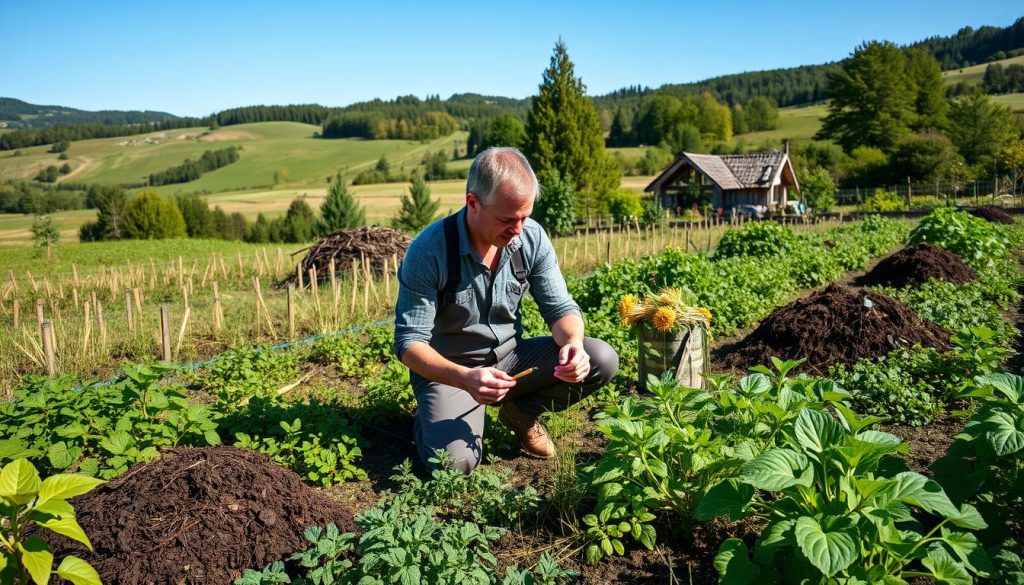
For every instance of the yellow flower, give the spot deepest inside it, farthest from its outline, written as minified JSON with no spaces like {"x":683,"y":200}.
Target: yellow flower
{"x":626,"y":309}
{"x":663,"y":319}
{"x":704,"y":311}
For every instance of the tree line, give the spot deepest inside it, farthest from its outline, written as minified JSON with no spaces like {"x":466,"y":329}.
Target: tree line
{"x":25,"y":138}
{"x":999,"y":79}
{"x":22,"y":114}
{"x":191,"y":170}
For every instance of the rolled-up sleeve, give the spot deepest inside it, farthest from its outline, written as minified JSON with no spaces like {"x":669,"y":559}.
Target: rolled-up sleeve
{"x":418,"y":283}
{"x":548,"y":284}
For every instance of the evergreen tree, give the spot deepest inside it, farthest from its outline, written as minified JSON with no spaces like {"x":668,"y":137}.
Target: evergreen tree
{"x":199,"y":221}
{"x":555,"y":206}
{"x":111,"y":204}
{"x":418,"y":209}
{"x":930,"y":102}
{"x":618,"y":135}
{"x":299,"y":223}
{"x":563,"y":134}
{"x":340,"y":210}
{"x":505,"y":130}
{"x":872,"y":99}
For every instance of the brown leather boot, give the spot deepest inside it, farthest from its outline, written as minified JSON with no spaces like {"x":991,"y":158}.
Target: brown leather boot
{"x":534,"y":437}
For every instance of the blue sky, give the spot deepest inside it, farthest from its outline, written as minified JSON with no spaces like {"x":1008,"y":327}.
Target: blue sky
{"x":194,"y":58}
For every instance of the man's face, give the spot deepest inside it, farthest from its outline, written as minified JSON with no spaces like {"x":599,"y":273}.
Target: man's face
{"x":502,"y":218}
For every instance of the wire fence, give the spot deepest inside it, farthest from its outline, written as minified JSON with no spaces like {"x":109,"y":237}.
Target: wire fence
{"x":929,"y":194}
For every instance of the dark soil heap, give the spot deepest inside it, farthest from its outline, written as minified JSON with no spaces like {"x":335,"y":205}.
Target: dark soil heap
{"x":198,"y":516}
{"x":374,"y":243}
{"x":914,"y":265}
{"x":835,"y":325}
{"x":991,"y":213}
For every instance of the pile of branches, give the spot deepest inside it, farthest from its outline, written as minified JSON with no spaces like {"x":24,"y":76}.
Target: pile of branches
{"x":369,"y":245}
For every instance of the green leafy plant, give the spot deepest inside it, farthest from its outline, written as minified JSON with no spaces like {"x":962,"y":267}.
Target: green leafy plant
{"x":26,"y":502}
{"x":977,"y":241}
{"x":839,"y":510}
{"x":882,"y":200}
{"x":985,"y":464}
{"x":759,"y":239}
{"x":102,"y":429}
{"x":243,"y":372}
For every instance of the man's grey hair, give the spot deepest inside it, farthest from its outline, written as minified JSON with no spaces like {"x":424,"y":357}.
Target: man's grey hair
{"x":498,"y":166}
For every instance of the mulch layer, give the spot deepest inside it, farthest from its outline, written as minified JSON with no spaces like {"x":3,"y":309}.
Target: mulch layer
{"x":991,"y":213}
{"x":915,"y":265}
{"x":198,"y":516}
{"x":837,"y":324}
{"x":372,"y":244}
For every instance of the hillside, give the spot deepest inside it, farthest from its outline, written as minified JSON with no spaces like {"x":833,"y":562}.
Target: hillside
{"x":15,"y":113}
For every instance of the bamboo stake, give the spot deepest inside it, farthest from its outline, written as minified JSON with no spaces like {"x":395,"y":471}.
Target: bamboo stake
{"x":241,"y":266}
{"x":10,"y":276}
{"x":266,"y":261}
{"x":39,"y":315}
{"x":15,"y":309}
{"x":223,"y":268}
{"x":387,"y":282}
{"x":181,"y":331}
{"x":263,"y":306}
{"x":102,"y":324}
{"x":217,"y":313}
{"x":47,"y":339}
{"x":128,"y":310}
{"x":87,"y":327}
{"x":355,"y":286}
{"x":335,"y":291}
{"x":165,"y":333}
{"x":74,"y":274}
{"x":137,"y":293}
{"x":298,"y":276}
{"x":291,"y":310}
{"x":280,"y":263}
{"x":184,"y":296}
{"x":181,"y":271}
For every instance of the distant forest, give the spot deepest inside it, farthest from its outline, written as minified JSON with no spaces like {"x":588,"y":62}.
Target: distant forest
{"x":409,"y":117}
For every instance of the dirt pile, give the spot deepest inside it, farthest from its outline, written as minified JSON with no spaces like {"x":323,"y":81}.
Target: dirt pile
{"x":835,"y":325}
{"x":372,"y":244}
{"x":991,"y":213}
{"x":914,"y":265}
{"x":198,"y":516}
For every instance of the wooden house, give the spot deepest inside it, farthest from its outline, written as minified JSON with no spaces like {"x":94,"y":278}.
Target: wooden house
{"x":762,"y":180}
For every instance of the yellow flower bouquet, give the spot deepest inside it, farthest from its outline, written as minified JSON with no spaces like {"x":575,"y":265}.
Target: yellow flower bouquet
{"x":673,"y":333}
{"x":668,"y":310}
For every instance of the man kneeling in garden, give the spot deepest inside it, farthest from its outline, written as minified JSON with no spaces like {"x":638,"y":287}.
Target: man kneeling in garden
{"x":458,"y":326}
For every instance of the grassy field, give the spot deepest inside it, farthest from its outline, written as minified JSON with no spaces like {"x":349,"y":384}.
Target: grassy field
{"x":796,"y":123}
{"x":286,"y":149}
{"x":975,"y":73}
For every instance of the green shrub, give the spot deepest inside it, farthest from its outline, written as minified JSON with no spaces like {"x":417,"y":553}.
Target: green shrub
{"x":625,"y":206}
{"x":977,"y":241}
{"x":151,"y":216}
{"x":758,"y":239}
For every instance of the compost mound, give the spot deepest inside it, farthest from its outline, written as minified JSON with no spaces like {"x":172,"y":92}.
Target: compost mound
{"x":991,"y":213}
{"x":198,"y":516}
{"x":835,"y":325}
{"x":371,"y":244}
{"x":915,"y":265}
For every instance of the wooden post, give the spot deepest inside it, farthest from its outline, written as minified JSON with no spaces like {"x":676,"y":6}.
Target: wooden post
{"x":74,"y":296}
{"x":181,"y":331}
{"x":355,"y":286}
{"x":165,"y":333}
{"x":291,"y":310}
{"x":217,"y":313}
{"x":181,"y":271}
{"x":47,"y":334}
{"x":86,"y":327}
{"x":184,"y":296}
{"x":298,"y":276}
{"x":128,"y":310}
{"x":137,"y":294}
{"x":335,"y":291}
{"x":15,"y":308}
{"x":102,"y":324}
{"x":74,"y":274}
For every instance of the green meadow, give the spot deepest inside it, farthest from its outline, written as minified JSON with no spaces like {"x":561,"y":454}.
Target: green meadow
{"x":976,"y":73}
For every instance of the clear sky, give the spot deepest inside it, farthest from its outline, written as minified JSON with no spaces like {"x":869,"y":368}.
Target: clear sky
{"x":193,"y":58}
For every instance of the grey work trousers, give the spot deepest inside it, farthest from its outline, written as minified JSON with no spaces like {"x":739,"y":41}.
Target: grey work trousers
{"x":448,"y":418}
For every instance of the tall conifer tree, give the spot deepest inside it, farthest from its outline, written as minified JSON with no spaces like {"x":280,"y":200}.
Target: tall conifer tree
{"x":340,"y":210}
{"x":563,"y":134}
{"x":418,"y":209}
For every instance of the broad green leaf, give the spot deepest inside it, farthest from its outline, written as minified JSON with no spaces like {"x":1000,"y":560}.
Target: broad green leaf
{"x":61,"y":456}
{"x":594,"y":554}
{"x":917,"y":490}
{"x":945,"y":569}
{"x":754,"y":384}
{"x":648,"y":536}
{"x":969,"y":551}
{"x":78,"y":571}
{"x":730,"y":497}
{"x":829,"y":551}
{"x":117,"y":442}
{"x":68,"y":527}
{"x":212,"y":438}
{"x":37,"y":559}
{"x":776,"y":470}
{"x":53,"y":508}
{"x":775,"y":535}
{"x":89,"y":466}
{"x":733,"y":564}
{"x":879,"y":438}
{"x":66,"y":485}
{"x":969,"y":518}
{"x":1004,"y":436}
{"x":817,"y":431}
{"x":19,"y":482}
{"x":853,"y":423}
{"x":1010,"y":385}
{"x":12,"y":449}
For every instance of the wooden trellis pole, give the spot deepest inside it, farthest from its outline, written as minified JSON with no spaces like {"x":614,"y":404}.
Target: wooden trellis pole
{"x":47,"y":339}
{"x":218,"y":315}
{"x":165,"y":333}
{"x":128,"y":310}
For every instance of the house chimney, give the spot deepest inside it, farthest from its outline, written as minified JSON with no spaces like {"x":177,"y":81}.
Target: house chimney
{"x":785,"y":146}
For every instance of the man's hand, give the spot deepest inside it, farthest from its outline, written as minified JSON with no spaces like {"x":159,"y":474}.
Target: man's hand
{"x":487,"y":385}
{"x":573,"y":363}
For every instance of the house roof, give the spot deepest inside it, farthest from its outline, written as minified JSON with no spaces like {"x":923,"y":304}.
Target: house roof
{"x":732,"y":171}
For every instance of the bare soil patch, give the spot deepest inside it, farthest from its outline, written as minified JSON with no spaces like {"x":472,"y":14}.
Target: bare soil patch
{"x":198,"y":516}
{"x":837,"y":324}
{"x":991,"y":213}
{"x":915,"y":265}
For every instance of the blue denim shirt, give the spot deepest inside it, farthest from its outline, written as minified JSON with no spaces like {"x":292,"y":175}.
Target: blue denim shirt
{"x":484,"y":322}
